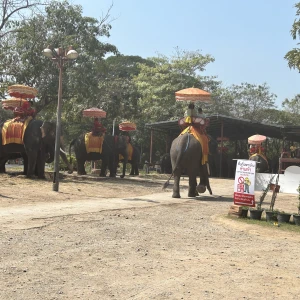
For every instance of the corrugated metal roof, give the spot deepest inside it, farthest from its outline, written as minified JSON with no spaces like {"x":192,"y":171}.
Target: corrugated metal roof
{"x":234,"y":128}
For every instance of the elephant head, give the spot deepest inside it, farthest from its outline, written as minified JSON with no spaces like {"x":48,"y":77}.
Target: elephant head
{"x":48,"y":130}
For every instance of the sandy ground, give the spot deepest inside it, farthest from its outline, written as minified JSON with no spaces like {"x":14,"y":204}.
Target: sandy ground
{"x":127,"y":239}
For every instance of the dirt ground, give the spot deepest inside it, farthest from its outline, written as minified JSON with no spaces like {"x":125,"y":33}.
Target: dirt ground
{"x":128,"y":239}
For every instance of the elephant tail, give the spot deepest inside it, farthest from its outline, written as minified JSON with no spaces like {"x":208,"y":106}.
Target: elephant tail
{"x":167,"y":182}
{"x":71,"y":144}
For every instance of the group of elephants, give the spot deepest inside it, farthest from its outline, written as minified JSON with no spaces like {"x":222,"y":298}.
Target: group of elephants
{"x":39,"y":146}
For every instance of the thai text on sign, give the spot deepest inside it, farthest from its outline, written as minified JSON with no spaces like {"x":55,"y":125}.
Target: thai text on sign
{"x":244,"y":183}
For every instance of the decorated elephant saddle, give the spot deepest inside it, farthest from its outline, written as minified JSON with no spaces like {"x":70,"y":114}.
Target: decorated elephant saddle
{"x":201,"y":138}
{"x":13,"y":130}
{"x":130,"y":152}
{"x":93,"y":143}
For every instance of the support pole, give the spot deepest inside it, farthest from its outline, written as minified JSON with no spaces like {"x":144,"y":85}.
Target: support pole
{"x":151,"y":146}
{"x":221,"y":152}
{"x":58,"y":128}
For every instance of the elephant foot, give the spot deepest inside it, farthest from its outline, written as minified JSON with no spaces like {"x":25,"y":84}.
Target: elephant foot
{"x":70,"y":172}
{"x":103,"y":175}
{"x":175,"y":195}
{"x":122,"y":176}
{"x":201,"y":189}
{"x":81,"y":173}
{"x":193,"y":194}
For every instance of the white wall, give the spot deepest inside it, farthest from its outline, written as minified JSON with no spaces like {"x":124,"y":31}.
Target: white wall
{"x":288,"y":181}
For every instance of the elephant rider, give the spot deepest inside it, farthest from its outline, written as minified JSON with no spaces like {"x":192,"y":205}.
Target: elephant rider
{"x":190,"y":113}
{"x":200,"y":113}
{"x":24,"y":111}
{"x":98,"y":128}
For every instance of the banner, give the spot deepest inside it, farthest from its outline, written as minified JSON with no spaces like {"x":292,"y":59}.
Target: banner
{"x":244,"y":183}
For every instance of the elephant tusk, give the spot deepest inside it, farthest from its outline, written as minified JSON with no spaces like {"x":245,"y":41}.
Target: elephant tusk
{"x":43,"y":132}
{"x":63,"y":151}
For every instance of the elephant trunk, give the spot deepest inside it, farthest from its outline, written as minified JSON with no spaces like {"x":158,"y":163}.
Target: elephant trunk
{"x":65,"y":159}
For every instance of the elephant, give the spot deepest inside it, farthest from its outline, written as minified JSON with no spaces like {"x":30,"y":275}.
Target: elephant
{"x":134,"y":161}
{"x":111,"y":148}
{"x":37,"y":149}
{"x":262,"y":164}
{"x":186,"y":155}
{"x":165,"y":164}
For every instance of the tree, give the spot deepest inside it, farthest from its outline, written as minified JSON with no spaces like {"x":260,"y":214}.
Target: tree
{"x":158,"y":83}
{"x":291,"y":111}
{"x":61,"y":25}
{"x":293,"y":56}
{"x":250,"y":101}
{"x":14,"y":11}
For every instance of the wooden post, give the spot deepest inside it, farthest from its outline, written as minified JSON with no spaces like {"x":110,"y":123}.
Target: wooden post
{"x":151,"y":146}
{"x":167,"y":142}
{"x":221,"y":153}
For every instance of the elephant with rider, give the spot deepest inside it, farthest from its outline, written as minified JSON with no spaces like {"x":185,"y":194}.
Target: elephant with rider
{"x":36,"y":148}
{"x":111,"y":147}
{"x":190,"y":156}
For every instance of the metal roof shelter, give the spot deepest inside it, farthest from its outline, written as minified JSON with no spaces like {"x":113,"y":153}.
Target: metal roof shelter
{"x":232,"y":128}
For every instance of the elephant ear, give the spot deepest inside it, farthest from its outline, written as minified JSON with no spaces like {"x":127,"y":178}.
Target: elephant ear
{"x":48,"y":129}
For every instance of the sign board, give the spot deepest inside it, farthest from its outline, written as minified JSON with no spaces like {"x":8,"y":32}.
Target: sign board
{"x":244,"y":183}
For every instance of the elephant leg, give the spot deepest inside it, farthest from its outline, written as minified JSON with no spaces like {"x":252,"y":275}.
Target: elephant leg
{"x":104,"y":164}
{"x":2,"y":165}
{"x":192,"y":186}
{"x":40,"y":164}
{"x":136,"y":169}
{"x":132,"y":169}
{"x":25,"y":164}
{"x":176,"y":192}
{"x":80,"y":167}
{"x":32,"y":160}
{"x":204,"y":180}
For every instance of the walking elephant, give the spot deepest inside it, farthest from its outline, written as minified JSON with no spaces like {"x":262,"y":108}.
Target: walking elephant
{"x":262,"y":164}
{"x":37,"y":148}
{"x":186,"y":155}
{"x":111,"y":148}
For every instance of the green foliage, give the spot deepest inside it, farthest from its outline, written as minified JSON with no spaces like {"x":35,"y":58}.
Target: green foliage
{"x":250,"y":101}
{"x":61,"y":25}
{"x":293,"y":56}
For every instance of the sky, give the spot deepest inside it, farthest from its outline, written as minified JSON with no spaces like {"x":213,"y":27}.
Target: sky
{"x":247,"y":38}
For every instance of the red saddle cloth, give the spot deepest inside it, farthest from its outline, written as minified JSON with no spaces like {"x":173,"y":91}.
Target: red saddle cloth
{"x":13,"y":130}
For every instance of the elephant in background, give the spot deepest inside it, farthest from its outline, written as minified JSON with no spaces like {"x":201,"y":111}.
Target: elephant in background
{"x":37,"y":149}
{"x":111,"y":148}
{"x":186,"y":155}
{"x":262,"y":164}
{"x":165,"y":164}
{"x":134,"y":161}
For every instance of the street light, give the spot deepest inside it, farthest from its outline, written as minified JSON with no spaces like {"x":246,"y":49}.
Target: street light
{"x":59,"y":56}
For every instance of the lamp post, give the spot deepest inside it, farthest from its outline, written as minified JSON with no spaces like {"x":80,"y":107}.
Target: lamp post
{"x":58,"y":56}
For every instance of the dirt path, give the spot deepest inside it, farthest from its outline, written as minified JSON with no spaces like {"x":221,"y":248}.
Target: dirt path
{"x":126,"y":239}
